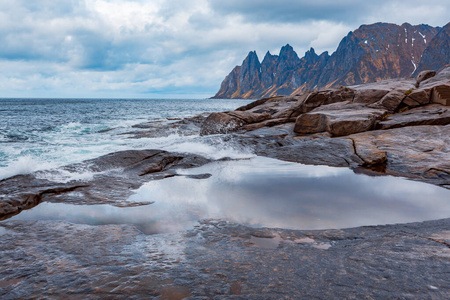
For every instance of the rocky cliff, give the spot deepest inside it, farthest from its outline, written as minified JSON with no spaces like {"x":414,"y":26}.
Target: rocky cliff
{"x":370,"y":53}
{"x":437,"y":54}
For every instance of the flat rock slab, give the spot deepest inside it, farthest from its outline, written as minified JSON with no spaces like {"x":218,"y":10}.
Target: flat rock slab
{"x":320,"y":151}
{"x":426,"y":115}
{"x":218,"y":260}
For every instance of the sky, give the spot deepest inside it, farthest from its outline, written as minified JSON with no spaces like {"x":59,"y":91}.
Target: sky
{"x":170,"y":48}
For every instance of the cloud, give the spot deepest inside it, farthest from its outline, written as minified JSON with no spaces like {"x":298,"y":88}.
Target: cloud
{"x":146,"y":48}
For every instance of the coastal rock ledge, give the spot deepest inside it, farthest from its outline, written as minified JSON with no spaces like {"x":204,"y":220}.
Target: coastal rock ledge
{"x":397,"y":127}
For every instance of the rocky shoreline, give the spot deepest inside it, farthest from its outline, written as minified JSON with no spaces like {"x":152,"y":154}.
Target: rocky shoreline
{"x":396,"y":127}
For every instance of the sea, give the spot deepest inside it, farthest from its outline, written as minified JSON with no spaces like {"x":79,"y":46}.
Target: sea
{"x":39,"y":134}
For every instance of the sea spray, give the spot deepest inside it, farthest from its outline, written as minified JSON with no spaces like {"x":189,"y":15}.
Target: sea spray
{"x":24,"y":165}
{"x":40,"y":134}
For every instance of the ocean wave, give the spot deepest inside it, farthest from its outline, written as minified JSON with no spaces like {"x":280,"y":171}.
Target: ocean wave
{"x":24,"y":165}
{"x":213,"y":147}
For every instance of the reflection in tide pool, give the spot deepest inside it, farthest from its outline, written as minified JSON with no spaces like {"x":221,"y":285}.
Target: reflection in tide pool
{"x":265,"y":192}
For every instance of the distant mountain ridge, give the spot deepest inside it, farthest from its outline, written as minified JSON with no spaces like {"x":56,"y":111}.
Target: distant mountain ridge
{"x":370,"y":53}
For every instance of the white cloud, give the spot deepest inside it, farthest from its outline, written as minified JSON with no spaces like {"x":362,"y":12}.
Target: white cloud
{"x":119,"y":47}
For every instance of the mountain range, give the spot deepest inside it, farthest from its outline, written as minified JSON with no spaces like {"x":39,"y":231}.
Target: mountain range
{"x":370,"y":53}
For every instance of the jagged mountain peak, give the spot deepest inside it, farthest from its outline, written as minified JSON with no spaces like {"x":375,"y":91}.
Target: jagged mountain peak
{"x":311,"y":55}
{"x":370,"y":53}
{"x":252,"y":57}
{"x":268,"y":57}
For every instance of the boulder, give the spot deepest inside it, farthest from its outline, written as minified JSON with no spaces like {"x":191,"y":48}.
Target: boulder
{"x":339,"y":119}
{"x":424,"y":75}
{"x":311,"y":123}
{"x":225,"y":122}
{"x":220,"y":123}
{"x":267,"y":123}
{"x":412,"y":151}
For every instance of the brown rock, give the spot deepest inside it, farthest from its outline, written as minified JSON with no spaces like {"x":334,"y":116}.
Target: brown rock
{"x":256,"y":103}
{"x":297,"y":108}
{"x":267,"y":123}
{"x":424,"y":75}
{"x":220,"y":123}
{"x":433,"y":114}
{"x":225,"y":122}
{"x":419,"y":96}
{"x":339,"y":119}
{"x":441,"y":94}
{"x":391,"y":100}
{"x":345,"y":125}
{"x":369,"y":96}
{"x":310,"y":101}
{"x":249,"y":117}
{"x":311,"y":123}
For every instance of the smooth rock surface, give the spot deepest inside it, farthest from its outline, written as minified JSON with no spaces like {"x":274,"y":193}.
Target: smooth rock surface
{"x":219,"y":260}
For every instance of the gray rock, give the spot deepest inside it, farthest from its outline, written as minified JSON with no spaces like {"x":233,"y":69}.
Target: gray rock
{"x":221,"y":260}
{"x":424,"y":75}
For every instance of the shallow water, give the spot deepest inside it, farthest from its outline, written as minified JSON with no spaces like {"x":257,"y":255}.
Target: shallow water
{"x":263,"y":192}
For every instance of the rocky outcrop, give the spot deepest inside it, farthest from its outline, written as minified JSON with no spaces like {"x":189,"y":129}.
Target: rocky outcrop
{"x":369,"y":54}
{"x":391,"y":126}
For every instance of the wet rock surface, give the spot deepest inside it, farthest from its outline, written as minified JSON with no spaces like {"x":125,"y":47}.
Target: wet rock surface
{"x":218,"y":260}
{"x":114,"y":177}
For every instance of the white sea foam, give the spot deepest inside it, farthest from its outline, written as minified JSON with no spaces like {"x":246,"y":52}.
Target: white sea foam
{"x":64,"y":176}
{"x":24,"y":165}
{"x":211,"y":147}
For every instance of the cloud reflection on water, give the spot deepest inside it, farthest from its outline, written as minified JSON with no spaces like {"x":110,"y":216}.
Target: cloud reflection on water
{"x":266,"y":192}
